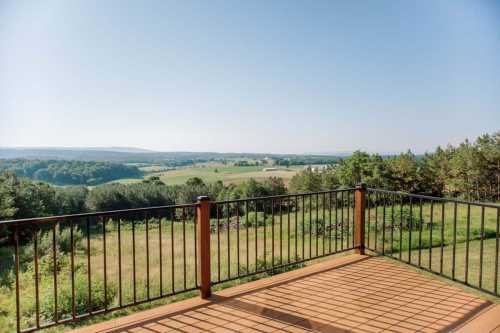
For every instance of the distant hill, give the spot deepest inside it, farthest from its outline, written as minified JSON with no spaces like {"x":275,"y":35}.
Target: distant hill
{"x":136,"y":155}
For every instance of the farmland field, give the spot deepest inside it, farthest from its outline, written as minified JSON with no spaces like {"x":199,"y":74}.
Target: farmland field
{"x":214,"y":172}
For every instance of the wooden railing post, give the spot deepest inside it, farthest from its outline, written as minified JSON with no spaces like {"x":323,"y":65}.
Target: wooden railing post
{"x":359,"y":218}
{"x":203,"y":230}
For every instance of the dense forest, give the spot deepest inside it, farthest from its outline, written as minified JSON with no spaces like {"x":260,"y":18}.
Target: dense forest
{"x":470,"y":170}
{"x":61,"y":172}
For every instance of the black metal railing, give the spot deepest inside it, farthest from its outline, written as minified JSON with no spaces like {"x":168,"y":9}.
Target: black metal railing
{"x":273,"y":234}
{"x":452,"y":238}
{"x":68,"y":268}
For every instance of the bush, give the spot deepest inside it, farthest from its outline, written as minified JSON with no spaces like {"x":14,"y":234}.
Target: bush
{"x":258,"y":218}
{"x":81,"y":297}
{"x":63,"y":244}
{"x":64,"y":292}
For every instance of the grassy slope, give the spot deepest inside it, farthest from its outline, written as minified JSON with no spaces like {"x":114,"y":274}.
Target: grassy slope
{"x":312,"y":246}
{"x":27,"y":293}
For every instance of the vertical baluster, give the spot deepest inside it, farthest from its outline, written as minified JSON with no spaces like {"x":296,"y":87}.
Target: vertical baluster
{"x":281,"y":230}
{"x":228,"y":241}
{"x":324,"y":222}
{"x":272,"y":233}
{"x":317,"y":222}
{"x":421,"y":221}
{"x":172,"y":249}
{"x":353,"y":223}
{"x":195,"y":244}
{"x":296,"y":226}
{"x":217,"y":209}
{"x":392,"y":225}
{"x":411,"y":230}
{"x":375,"y":241}
{"x":288,"y":230}
{"x":146,"y":218}
{"x":454,"y":241}
{"x":497,"y":234}
{"x":342,"y":221}
{"x":265,"y":233}
{"x":310,"y":226}
{"x":247,"y":226}
{"x":336,"y":222}
{"x":401,"y":227}
{"x":303,"y":226}
{"x":134,"y":276}
{"x":348,"y":219}
{"x":160,"y":248}
{"x":466,"y":278}
{"x":384,"y":202}
{"x":89,"y":280}
{"x":37,"y":277}
{"x":481,"y":250}
{"x":120,"y":298}
{"x":54,"y":269}
{"x":256,"y":235}
{"x":105,"y":263}
{"x":18,"y":300}
{"x":184,"y":264}
{"x":441,"y":261}
{"x":330,"y":222}
{"x":430,"y":234}
{"x":236,"y":204}
{"x":368,"y":206}
{"x":72,"y":252}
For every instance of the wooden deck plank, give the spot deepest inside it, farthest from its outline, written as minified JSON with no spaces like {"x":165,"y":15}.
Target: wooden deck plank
{"x":354,"y":293}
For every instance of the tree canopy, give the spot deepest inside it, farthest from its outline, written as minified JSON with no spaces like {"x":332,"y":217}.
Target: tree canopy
{"x":470,"y":170}
{"x":63,"y":172}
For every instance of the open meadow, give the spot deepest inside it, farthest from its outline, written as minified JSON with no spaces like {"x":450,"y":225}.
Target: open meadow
{"x":212,"y":172}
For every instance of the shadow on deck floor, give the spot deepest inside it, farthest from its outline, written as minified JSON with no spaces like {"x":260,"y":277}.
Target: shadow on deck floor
{"x":349,"y":294}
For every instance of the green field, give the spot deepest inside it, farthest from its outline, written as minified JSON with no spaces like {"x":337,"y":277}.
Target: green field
{"x":178,"y":267}
{"x":215,"y":172}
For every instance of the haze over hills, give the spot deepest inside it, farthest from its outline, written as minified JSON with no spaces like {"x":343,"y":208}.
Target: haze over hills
{"x":127,"y":154}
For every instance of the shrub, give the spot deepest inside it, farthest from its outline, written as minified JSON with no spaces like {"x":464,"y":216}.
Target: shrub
{"x":45,"y":244}
{"x":81,"y":297}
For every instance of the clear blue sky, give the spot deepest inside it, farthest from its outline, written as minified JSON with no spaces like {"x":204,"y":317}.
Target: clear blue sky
{"x":259,"y":76}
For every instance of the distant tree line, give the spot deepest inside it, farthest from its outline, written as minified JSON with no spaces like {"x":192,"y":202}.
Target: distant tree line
{"x":21,"y":197}
{"x":63,"y":172}
{"x":470,"y":170}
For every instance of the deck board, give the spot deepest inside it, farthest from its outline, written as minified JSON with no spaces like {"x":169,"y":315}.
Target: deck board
{"x":348,"y":294}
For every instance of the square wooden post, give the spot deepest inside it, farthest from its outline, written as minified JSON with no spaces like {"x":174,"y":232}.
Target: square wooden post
{"x":203,"y":230}
{"x":359,"y":218}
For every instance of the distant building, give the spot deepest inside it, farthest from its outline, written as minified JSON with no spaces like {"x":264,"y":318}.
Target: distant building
{"x":269,"y":169}
{"x":317,"y":168}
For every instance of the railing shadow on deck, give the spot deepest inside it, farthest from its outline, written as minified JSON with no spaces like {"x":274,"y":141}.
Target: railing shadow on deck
{"x":367,"y":294}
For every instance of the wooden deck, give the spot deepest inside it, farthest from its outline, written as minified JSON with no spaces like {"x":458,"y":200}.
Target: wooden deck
{"x":348,"y":294}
